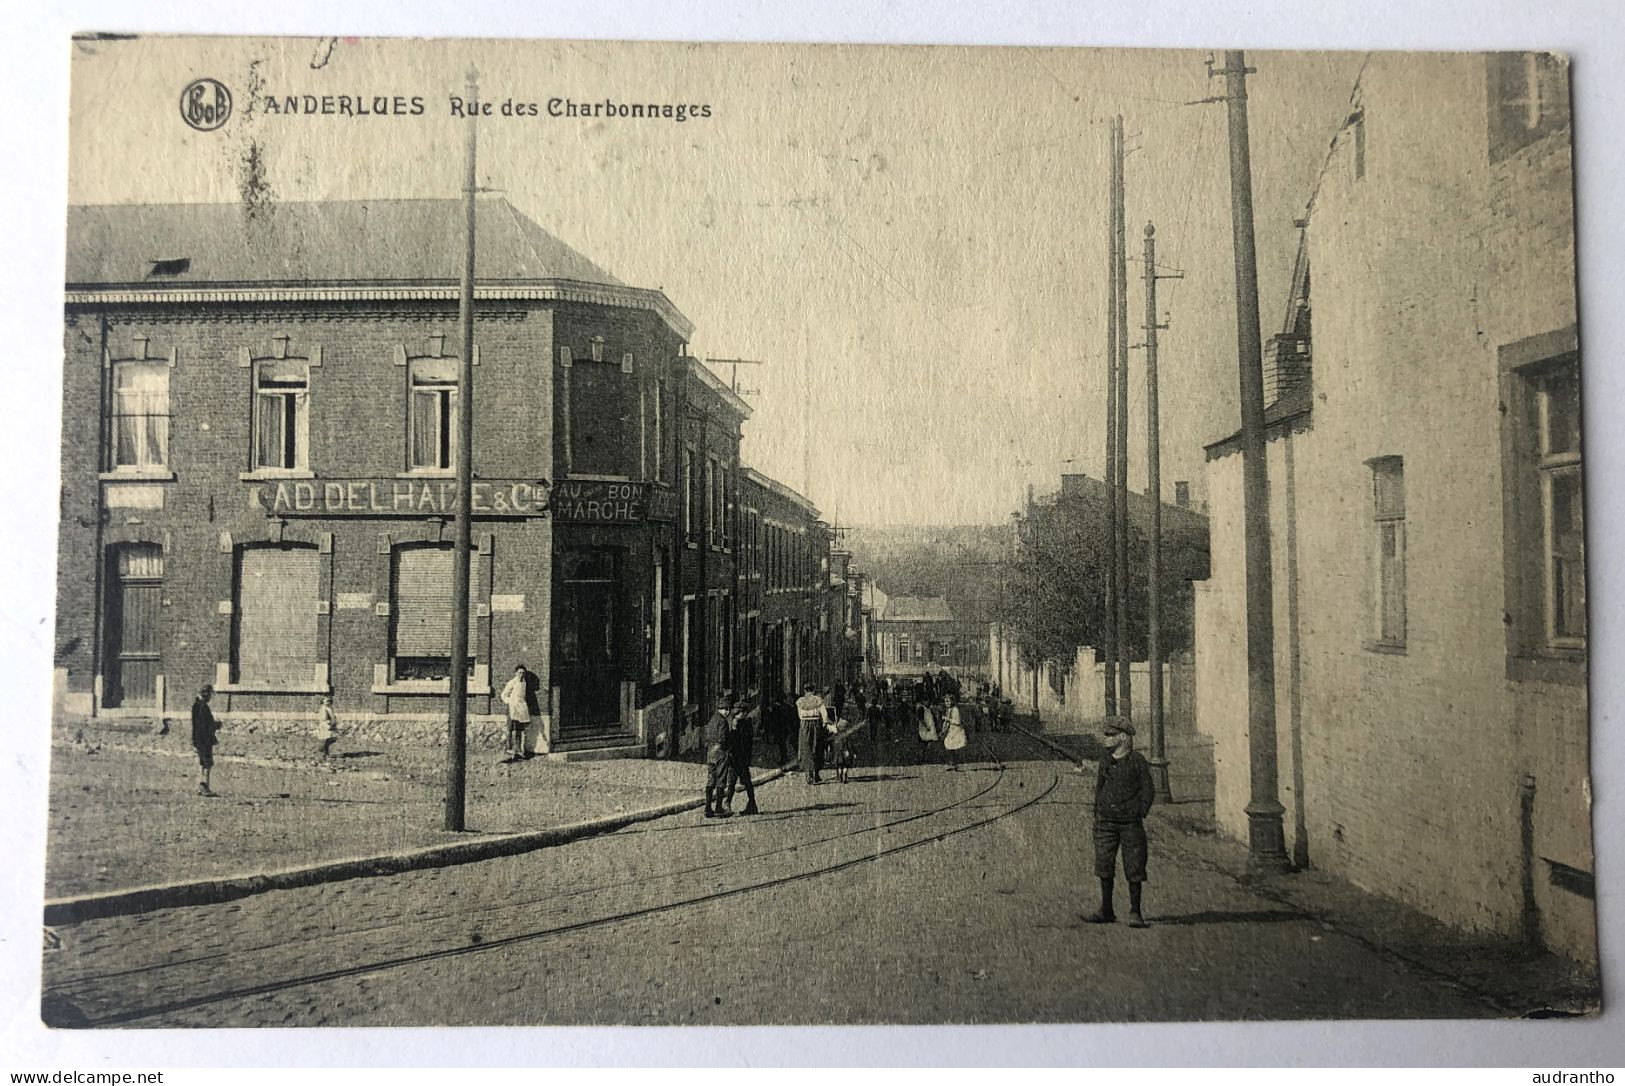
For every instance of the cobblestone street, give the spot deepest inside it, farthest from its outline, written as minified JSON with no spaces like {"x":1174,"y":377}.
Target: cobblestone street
{"x":125,"y":812}
{"x":908,"y":894}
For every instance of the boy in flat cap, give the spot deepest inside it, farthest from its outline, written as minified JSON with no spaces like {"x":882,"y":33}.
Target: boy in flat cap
{"x":1123,"y":796}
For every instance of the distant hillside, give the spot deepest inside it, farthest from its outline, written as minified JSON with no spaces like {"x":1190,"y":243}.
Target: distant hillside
{"x":963,"y":562}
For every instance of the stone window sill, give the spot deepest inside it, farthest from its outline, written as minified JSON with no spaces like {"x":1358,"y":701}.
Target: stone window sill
{"x":272,"y":688}
{"x":1386,"y":648}
{"x":432,"y":687}
{"x":144,"y":475}
{"x":274,"y":475}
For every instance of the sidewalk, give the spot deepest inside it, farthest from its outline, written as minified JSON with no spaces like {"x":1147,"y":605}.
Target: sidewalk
{"x":124,"y":808}
{"x":1520,"y":980}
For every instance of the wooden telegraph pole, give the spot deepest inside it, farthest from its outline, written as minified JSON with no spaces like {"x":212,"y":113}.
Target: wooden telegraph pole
{"x":1265,"y":836}
{"x":1153,"y":487}
{"x":1111,"y":430}
{"x":1125,"y":686}
{"x":1032,"y":517}
{"x":457,"y":716}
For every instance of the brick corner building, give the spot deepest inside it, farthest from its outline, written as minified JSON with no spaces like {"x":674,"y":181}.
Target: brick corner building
{"x":258,"y":476}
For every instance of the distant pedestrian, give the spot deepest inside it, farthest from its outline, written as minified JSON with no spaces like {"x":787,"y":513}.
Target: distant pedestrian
{"x":953,"y":733}
{"x":327,"y":726}
{"x":839,"y":756}
{"x":741,"y":739}
{"x":533,"y":703}
{"x":927,"y":729}
{"x":205,"y":734}
{"x":837,"y":698}
{"x":876,"y":715}
{"x":810,"y":715}
{"x":782,"y":726}
{"x":513,"y":697}
{"x":716,"y":739}
{"x":1123,"y":796}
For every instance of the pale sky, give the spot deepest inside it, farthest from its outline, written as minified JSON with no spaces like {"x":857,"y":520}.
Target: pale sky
{"x":912,"y":239}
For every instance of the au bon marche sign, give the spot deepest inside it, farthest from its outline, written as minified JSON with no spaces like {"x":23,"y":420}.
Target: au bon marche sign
{"x":572,"y":501}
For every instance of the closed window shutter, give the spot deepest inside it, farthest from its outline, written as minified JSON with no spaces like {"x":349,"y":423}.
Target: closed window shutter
{"x":276,"y":615}
{"x":422,"y":605}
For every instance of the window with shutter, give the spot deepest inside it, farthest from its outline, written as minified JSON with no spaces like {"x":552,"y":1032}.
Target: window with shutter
{"x":281,"y":415}
{"x":420,"y":608}
{"x":432,"y":414}
{"x":277,"y":590}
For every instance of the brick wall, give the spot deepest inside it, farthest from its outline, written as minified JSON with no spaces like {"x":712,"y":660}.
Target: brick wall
{"x":357,"y":425}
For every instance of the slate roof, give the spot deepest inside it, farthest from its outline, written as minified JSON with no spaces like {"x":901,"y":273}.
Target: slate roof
{"x":330,"y":241}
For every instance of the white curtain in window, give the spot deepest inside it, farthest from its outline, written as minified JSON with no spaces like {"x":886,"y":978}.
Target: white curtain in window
{"x":141,"y":413}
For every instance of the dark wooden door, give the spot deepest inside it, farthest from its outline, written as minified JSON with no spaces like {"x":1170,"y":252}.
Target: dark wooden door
{"x":135,"y":591}
{"x":587,"y":657}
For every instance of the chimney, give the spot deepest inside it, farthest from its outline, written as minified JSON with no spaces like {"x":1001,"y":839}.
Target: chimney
{"x":1286,"y":364}
{"x":1182,"y":494}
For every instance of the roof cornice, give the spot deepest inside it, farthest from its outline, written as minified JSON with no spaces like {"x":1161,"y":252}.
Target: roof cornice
{"x":719,"y":386}
{"x":551,"y":290}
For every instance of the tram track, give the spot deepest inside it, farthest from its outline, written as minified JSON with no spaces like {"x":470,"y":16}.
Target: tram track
{"x":91,"y":987}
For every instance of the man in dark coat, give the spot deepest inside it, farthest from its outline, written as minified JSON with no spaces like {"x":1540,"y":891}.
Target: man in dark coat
{"x":205,"y":734}
{"x":782,"y":726}
{"x":533,"y":703}
{"x":740,"y":741}
{"x":715,"y":738}
{"x":1123,"y":797}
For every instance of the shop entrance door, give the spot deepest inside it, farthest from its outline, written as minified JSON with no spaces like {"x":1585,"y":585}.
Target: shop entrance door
{"x":135,"y":590}
{"x":587,"y":654}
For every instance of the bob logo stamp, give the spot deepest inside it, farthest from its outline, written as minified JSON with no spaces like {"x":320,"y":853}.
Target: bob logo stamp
{"x":205,"y":104}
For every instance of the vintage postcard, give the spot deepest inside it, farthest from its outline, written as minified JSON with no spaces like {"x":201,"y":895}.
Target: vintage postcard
{"x":633,"y":533}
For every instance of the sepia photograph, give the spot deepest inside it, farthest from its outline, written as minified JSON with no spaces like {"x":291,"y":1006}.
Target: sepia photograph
{"x":628,"y":533}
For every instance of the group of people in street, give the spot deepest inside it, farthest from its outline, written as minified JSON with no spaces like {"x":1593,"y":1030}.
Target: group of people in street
{"x":729,"y":742}
{"x":1124,"y":789}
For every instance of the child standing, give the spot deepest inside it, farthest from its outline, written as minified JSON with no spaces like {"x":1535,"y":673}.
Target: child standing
{"x":1123,"y":797}
{"x":327,"y":726}
{"x":205,"y":734}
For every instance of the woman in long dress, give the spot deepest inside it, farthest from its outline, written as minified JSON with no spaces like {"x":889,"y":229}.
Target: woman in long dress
{"x":953,"y":736}
{"x":928,"y":729}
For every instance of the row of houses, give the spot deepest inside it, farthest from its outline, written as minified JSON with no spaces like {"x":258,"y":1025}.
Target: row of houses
{"x":258,"y":463}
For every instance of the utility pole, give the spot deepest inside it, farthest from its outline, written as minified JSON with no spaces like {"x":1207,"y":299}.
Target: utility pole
{"x":1032,"y":517}
{"x":1111,"y":429}
{"x":1153,"y":486}
{"x":457,"y":679}
{"x":1265,"y":836}
{"x":1125,"y":686}
{"x":806,"y":416}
